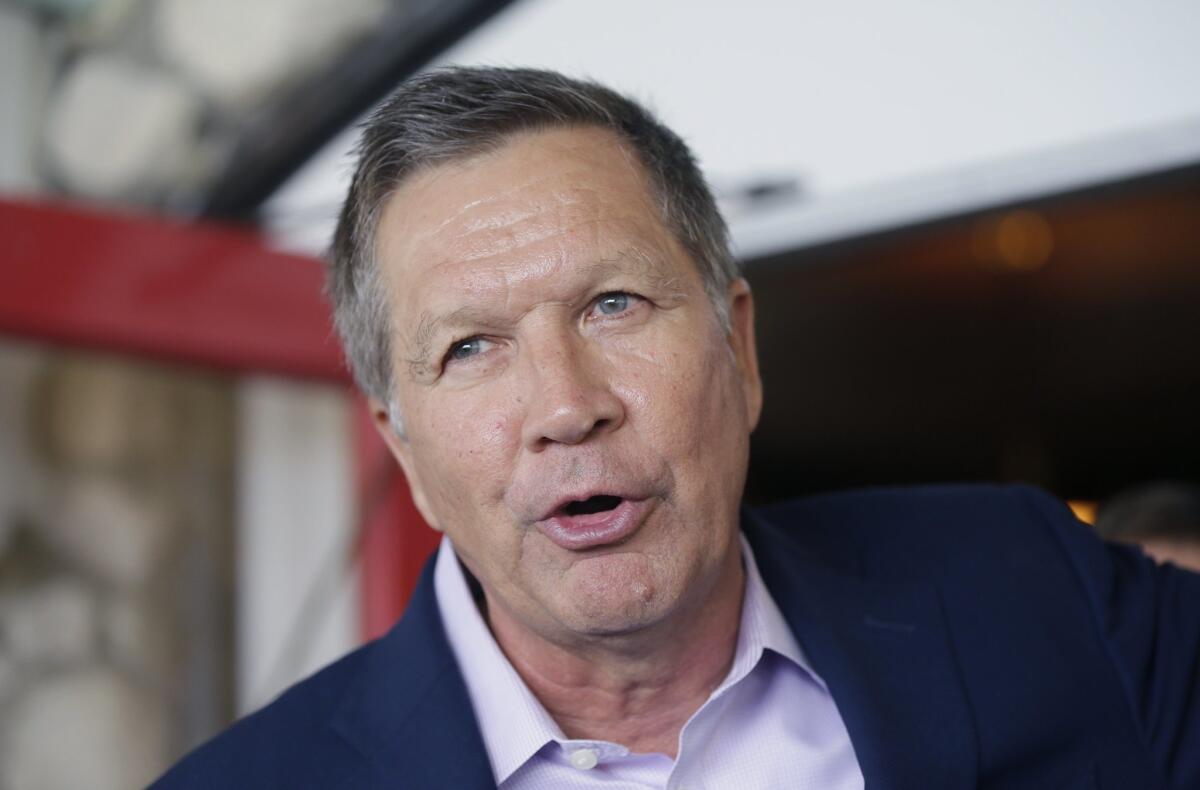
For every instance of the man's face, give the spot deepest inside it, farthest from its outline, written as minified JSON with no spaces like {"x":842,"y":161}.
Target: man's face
{"x":577,"y":418}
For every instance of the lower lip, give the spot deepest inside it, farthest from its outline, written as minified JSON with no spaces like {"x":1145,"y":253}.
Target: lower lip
{"x":593,"y":530}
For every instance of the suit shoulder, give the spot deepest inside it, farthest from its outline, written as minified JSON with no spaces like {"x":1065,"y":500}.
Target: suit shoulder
{"x":286,"y":743}
{"x":917,"y":525}
{"x":915,"y":509}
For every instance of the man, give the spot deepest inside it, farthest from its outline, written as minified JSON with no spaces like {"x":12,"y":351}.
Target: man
{"x":535,"y":289}
{"x":1162,"y":518}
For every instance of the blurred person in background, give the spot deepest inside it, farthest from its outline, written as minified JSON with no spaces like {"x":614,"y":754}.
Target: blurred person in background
{"x":1162,"y":518}
{"x":536,"y":292}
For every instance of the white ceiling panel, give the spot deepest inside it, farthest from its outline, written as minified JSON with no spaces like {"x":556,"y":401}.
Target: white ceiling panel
{"x":879,"y":113}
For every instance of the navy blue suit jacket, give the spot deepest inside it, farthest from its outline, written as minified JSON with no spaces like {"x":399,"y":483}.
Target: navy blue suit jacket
{"x":971,"y":637}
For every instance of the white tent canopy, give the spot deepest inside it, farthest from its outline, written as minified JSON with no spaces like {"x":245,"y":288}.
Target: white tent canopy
{"x":879,"y":113}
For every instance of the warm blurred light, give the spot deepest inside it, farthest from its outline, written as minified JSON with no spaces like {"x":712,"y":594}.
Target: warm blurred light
{"x":1020,"y":239}
{"x":1084,"y":511}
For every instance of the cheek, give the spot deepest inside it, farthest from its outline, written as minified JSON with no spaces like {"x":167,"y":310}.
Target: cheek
{"x":683,"y":400}
{"x":466,"y":458}
{"x":465,"y":448}
{"x":694,"y":419}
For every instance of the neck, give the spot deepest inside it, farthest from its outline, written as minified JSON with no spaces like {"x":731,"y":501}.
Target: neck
{"x":637,"y":690}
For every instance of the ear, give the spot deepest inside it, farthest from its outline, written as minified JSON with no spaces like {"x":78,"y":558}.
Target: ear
{"x":745,"y":349}
{"x":402,"y":451}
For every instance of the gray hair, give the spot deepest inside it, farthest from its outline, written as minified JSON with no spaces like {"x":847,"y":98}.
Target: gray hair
{"x":452,"y":113}
{"x":1166,"y":509}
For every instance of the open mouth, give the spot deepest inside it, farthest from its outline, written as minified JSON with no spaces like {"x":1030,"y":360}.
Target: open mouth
{"x":595,"y":521}
{"x":593,"y":504}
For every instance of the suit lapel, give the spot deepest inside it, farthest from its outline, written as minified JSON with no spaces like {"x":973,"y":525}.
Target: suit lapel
{"x":408,"y":714}
{"x":883,"y":650}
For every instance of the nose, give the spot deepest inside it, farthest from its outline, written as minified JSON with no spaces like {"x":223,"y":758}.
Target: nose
{"x":570,"y":396}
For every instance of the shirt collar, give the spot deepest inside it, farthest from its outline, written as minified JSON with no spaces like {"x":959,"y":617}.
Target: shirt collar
{"x":514,"y":725}
{"x":763,"y":628}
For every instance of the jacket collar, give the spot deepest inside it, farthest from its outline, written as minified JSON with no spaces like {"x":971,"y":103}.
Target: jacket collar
{"x":884,"y":652}
{"x":408,"y":713}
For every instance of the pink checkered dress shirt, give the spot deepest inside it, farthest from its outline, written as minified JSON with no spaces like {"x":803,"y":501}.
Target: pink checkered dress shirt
{"x":770,"y":724}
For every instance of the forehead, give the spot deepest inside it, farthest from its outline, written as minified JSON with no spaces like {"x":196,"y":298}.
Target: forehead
{"x":542,"y":200}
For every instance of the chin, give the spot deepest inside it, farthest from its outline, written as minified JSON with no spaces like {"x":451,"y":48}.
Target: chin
{"x":613,"y":594}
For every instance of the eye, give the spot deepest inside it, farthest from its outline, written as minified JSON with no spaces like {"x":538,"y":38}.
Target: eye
{"x":614,"y":303}
{"x":465,"y":349}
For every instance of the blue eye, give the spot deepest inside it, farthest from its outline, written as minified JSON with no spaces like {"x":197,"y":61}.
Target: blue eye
{"x":465,"y":348}
{"x":613,"y":303}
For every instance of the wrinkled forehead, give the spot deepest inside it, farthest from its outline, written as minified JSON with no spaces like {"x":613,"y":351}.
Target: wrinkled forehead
{"x":536,"y":192}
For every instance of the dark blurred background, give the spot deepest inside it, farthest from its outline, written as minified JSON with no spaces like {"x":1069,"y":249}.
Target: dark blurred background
{"x":1056,"y":341}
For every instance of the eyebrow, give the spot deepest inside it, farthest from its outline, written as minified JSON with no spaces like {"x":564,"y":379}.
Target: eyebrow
{"x":429,"y":327}
{"x":629,"y":260}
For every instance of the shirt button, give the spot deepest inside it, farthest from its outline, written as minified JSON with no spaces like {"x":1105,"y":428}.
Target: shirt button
{"x":584,"y":759}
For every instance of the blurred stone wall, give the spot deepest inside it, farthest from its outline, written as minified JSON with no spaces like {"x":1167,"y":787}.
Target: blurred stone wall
{"x":116,"y":568}
{"x":144,"y":102}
